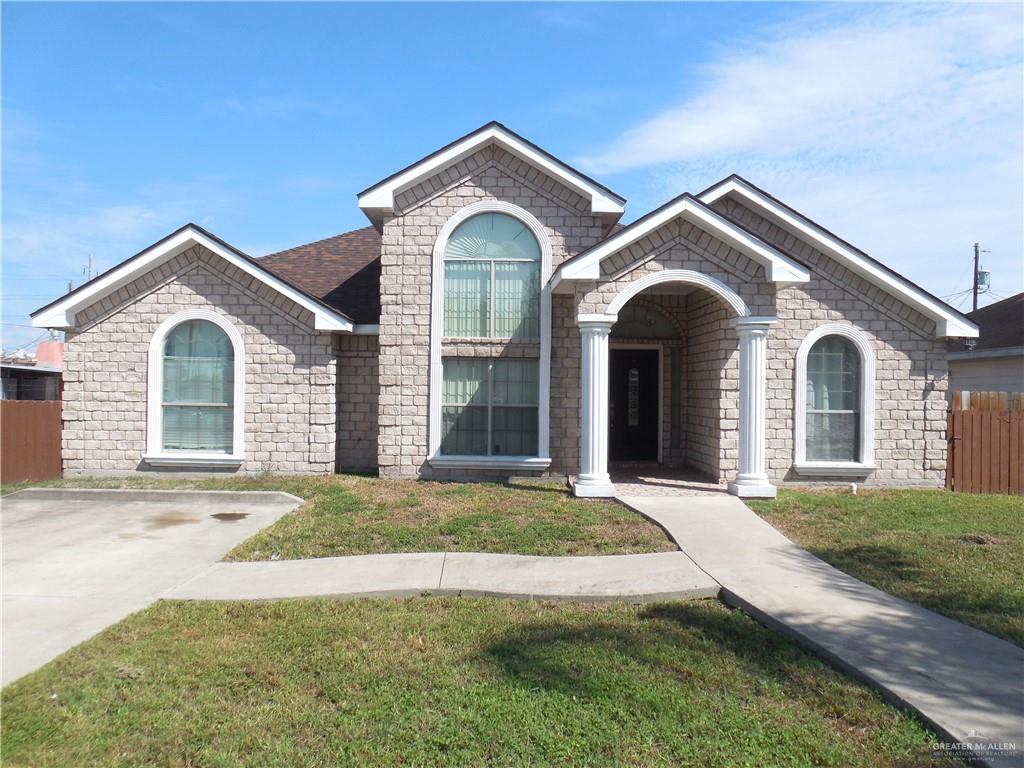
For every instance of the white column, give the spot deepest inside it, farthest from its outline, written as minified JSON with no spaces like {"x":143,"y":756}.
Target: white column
{"x":593,"y":479}
{"x":752,"y":480}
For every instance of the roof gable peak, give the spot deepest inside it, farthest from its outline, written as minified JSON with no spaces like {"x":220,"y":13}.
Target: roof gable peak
{"x":948,"y":321}
{"x":379,"y":199}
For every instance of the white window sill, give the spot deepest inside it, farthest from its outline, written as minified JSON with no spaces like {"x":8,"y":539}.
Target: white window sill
{"x":215,"y":460}
{"x":490,"y":462}
{"x":834,"y":469}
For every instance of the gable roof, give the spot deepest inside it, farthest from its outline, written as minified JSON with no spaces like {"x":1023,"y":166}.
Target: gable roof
{"x":342,"y":271}
{"x":948,"y":321}
{"x":778,"y":267}
{"x":61,"y":313}
{"x":1000,"y":325}
{"x":380,"y":198}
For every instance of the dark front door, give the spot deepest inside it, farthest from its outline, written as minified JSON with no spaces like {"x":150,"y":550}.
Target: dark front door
{"x":633,"y":405}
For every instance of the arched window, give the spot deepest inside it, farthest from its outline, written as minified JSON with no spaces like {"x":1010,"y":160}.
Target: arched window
{"x":835,"y":401}
{"x":196,"y":398}
{"x":489,"y":406}
{"x":492,"y":279}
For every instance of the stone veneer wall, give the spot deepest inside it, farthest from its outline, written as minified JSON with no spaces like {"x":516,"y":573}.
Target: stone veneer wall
{"x":566,"y":355}
{"x":406,"y":262}
{"x":289,"y":370}
{"x":711,"y":387}
{"x":911,"y":369}
{"x":911,"y":375}
{"x":357,"y":395}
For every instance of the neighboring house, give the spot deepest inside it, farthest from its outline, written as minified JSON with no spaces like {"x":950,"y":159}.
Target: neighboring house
{"x":994,"y":362}
{"x":26,"y":378}
{"x":495,"y":319}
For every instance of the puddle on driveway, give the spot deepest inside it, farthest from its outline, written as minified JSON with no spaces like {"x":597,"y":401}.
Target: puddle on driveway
{"x":169,"y":519}
{"x":230,"y":517}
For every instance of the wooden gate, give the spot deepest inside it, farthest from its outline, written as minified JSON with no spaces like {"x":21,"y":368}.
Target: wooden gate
{"x":30,"y":439}
{"x":985,"y":443}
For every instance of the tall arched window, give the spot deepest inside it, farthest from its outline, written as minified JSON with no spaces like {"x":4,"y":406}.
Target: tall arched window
{"x":834,"y":402}
{"x":492,"y":279}
{"x":196,"y":392}
{"x":198,"y":398}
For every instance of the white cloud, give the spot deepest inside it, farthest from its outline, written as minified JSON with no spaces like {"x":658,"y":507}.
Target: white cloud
{"x":839,"y":86}
{"x":900,"y":128}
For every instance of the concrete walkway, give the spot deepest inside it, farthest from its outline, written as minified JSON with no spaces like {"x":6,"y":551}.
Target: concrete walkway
{"x":632,"y":578}
{"x":967,"y":684}
{"x":76,"y":561}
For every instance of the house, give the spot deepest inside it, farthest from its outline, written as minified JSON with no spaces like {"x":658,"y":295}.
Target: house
{"x":496,"y":319}
{"x":994,"y":361}
{"x":32,"y":378}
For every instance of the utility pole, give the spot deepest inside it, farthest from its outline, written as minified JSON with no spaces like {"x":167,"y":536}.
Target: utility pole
{"x":977,"y":257}
{"x":89,"y":273}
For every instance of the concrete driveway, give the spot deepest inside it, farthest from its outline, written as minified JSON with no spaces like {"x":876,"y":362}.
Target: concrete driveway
{"x":76,"y":561}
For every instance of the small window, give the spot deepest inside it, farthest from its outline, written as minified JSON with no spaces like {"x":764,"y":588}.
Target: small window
{"x":833,"y":400}
{"x":489,"y":407}
{"x":198,"y":389}
{"x":492,"y":279}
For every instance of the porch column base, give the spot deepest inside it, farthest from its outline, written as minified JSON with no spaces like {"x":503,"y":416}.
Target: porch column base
{"x":752,"y":488}
{"x":594,"y":487}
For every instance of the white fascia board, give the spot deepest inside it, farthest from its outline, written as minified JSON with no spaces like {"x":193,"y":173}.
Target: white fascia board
{"x":778,"y":267}
{"x":62,"y":314}
{"x":381,"y":198}
{"x":947,"y":323}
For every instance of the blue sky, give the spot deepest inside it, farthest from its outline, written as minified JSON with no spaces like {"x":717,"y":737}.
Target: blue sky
{"x":896,"y":126}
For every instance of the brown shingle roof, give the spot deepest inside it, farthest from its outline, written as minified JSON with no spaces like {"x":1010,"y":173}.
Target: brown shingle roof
{"x":1000,"y":325}
{"x":342,"y":271}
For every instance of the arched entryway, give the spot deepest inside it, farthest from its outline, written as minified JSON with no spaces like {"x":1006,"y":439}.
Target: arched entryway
{"x":639,"y":406}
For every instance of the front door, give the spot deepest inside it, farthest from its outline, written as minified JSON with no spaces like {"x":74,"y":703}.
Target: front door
{"x":633,"y":405}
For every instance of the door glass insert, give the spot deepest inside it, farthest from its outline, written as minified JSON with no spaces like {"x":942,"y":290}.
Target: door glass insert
{"x":633,"y":413}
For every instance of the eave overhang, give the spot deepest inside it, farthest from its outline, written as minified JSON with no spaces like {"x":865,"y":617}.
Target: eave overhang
{"x":779,"y":268}
{"x":62,"y":312}
{"x":948,"y":322}
{"x":379,"y":200}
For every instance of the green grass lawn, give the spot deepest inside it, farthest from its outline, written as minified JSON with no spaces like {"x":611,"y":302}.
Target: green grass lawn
{"x":447,"y":681}
{"x":357,"y":515}
{"x":958,"y":554}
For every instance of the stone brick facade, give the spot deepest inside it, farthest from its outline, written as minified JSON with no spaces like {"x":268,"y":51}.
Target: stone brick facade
{"x":289,"y":370}
{"x":316,"y":403}
{"x":911,"y":373}
{"x":406,"y":262}
{"x":358,"y":391}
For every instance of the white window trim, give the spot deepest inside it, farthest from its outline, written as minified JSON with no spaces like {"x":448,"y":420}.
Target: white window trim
{"x":155,"y":454}
{"x":543,"y":457}
{"x":867,"y":406}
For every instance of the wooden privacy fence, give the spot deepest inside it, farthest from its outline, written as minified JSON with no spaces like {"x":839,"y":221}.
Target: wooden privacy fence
{"x":985,"y":443}
{"x":30,"y":437}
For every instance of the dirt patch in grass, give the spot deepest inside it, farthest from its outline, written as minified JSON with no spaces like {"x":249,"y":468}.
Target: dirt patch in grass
{"x":448,"y":682}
